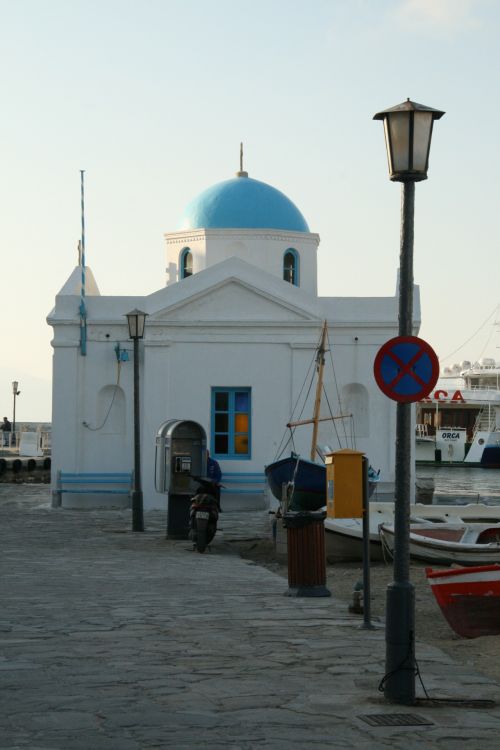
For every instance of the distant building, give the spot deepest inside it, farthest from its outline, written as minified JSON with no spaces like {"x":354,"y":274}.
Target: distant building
{"x":228,"y":343}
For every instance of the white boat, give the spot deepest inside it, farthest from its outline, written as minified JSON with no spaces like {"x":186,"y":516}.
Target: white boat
{"x":343,"y":536}
{"x":448,"y":543}
{"x":459,"y":422}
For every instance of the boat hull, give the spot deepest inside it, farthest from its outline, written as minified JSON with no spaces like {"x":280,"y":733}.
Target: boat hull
{"x":484,"y":452}
{"x":469,"y":598}
{"x":443,"y":543}
{"x":485,"y":458}
{"x":309,"y":481}
{"x":343,"y":536}
{"x":344,"y":542}
{"x":491,"y":457}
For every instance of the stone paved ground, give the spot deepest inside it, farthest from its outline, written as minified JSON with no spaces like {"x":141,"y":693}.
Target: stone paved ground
{"x":118,"y":641}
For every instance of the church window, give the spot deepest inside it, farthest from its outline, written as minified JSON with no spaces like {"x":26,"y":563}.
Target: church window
{"x":231,"y":422}
{"x":291,"y":266}
{"x":186,"y":263}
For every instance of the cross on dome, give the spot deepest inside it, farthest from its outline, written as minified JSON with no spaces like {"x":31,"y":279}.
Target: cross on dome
{"x":241,"y":173}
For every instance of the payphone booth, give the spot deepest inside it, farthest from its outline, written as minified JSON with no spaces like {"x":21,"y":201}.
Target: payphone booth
{"x":181,"y":454}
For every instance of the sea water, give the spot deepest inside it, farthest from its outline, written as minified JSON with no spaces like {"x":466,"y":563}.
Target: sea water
{"x":462,"y":485}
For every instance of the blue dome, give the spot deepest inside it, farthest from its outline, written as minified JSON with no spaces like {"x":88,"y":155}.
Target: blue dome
{"x":243,"y":203}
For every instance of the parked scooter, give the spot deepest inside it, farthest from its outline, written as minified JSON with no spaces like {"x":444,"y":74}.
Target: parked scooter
{"x":204,"y":514}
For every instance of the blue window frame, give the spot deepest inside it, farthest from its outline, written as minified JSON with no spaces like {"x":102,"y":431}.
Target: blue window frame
{"x":186,"y":263}
{"x":291,"y":266}
{"x":231,"y":422}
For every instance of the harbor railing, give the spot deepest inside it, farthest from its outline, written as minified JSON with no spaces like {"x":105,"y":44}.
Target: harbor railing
{"x":10,"y":441}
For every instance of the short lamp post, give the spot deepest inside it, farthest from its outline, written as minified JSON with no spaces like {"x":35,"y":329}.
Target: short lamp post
{"x":408,"y":131}
{"x":15,"y":392}
{"x":136,"y":323}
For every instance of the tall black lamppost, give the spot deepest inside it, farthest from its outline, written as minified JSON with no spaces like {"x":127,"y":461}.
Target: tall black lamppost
{"x":136,"y":323}
{"x":15,"y":392}
{"x":408,"y":132}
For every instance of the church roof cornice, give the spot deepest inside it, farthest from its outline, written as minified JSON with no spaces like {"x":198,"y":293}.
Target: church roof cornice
{"x":194,"y":235}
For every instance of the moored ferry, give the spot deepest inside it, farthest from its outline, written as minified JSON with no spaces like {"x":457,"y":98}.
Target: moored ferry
{"x":459,"y":422}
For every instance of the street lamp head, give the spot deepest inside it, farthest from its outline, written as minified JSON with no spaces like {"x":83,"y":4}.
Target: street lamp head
{"x":408,"y":132}
{"x":136,"y":320}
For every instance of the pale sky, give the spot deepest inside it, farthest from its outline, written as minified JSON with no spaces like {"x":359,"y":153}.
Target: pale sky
{"x":152,"y":98}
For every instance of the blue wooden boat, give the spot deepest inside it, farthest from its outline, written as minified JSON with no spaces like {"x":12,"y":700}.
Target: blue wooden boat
{"x":307,"y":477}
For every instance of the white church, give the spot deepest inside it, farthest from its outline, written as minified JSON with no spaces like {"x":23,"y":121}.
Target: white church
{"x":228,"y":341}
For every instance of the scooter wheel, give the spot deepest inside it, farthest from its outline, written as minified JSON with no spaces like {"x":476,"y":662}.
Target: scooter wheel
{"x":201,"y":535}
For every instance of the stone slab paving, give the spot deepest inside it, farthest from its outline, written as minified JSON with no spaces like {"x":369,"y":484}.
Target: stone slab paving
{"x":119,"y":641}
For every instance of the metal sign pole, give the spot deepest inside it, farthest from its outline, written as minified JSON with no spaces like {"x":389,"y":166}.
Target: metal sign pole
{"x":366,"y":551}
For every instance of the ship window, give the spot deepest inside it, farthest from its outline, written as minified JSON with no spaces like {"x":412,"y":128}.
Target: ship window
{"x":231,"y":417}
{"x":291,"y":266}
{"x":186,"y":263}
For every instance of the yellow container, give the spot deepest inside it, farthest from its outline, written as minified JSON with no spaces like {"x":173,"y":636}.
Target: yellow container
{"x":344,"y":484}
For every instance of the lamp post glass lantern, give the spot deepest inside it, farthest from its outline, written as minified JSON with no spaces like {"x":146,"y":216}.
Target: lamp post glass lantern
{"x":136,"y":320}
{"x":408,"y":132}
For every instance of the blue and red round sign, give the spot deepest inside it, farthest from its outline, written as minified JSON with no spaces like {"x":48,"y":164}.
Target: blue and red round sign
{"x":406,"y":368}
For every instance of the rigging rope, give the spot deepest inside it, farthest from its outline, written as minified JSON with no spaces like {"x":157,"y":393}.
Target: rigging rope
{"x":333,"y":421}
{"x":353,"y":433}
{"x":352,"y":440}
{"x":487,"y":343}
{"x":281,"y":448}
{"x":282,"y":444}
{"x":443,"y":359}
{"x":336,"y":384}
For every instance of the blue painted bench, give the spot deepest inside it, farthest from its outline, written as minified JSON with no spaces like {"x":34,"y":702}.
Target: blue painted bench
{"x":255,"y":483}
{"x":92,"y":483}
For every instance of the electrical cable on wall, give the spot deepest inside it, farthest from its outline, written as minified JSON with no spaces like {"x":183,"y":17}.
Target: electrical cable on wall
{"x":116,"y":386}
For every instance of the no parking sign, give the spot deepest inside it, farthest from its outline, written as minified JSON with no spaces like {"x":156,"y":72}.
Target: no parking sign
{"x":406,"y":369}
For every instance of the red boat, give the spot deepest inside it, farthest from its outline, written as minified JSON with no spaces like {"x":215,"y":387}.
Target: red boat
{"x":469,"y":598}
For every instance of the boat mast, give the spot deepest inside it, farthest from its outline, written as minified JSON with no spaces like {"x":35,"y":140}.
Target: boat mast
{"x":320,"y":364}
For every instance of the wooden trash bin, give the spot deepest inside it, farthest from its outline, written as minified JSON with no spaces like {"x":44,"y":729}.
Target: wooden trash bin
{"x":306,"y":554}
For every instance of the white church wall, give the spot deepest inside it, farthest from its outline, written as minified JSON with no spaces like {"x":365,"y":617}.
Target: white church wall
{"x":196,"y":245}
{"x":355,"y":401}
{"x":110,"y":413}
{"x":180,"y":363}
{"x":157,"y":403}
{"x":263,"y":249}
{"x":179,"y":381}
{"x":64,"y":409}
{"x":266,"y":249}
{"x":91,"y":427}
